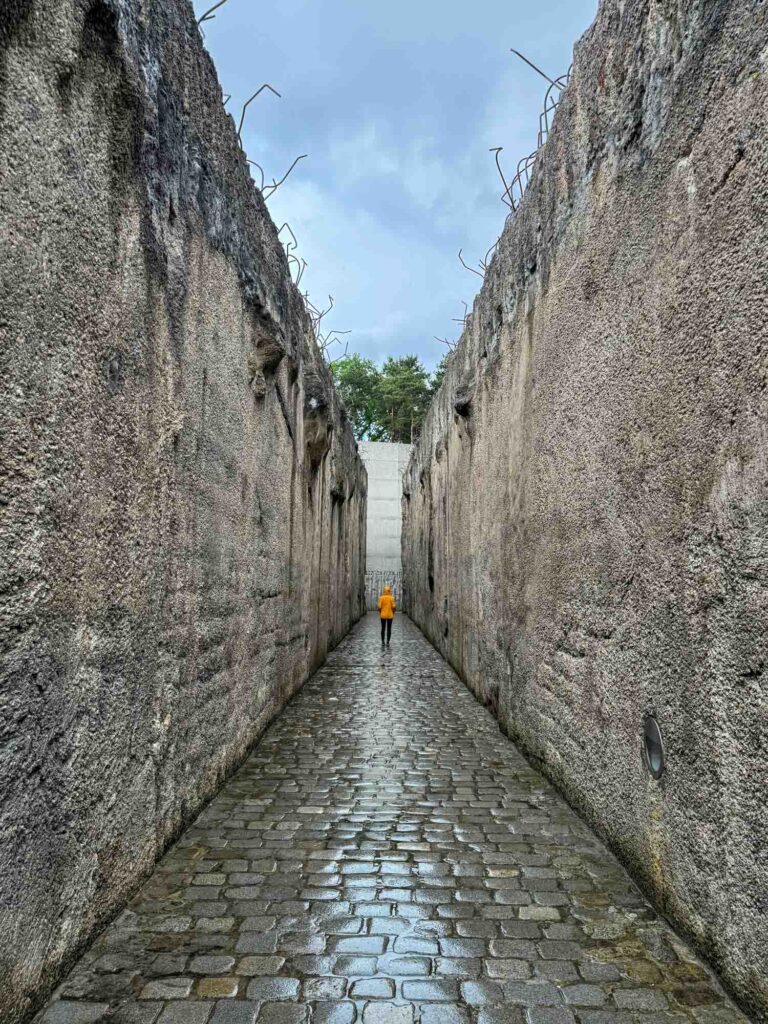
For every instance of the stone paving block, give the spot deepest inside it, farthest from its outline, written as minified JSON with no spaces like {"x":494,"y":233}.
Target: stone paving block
{"x":500,"y":1015}
{"x":326,"y":989}
{"x":356,"y":966}
{"x":549,"y":1015}
{"x":640,"y":999}
{"x":557,"y":970}
{"x":458,"y":967}
{"x":364,"y":945}
{"x":211,"y":964}
{"x":255,"y":942}
{"x":258,"y":924}
{"x":599,"y":972}
{"x":301,"y":943}
{"x":342,"y":925}
{"x":387,"y":1013}
{"x":66,"y":1012}
{"x":186,"y":1013}
{"x":535,"y":913}
{"x":517,"y":970}
{"x":404,"y":966}
{"x":463,"y":947}
{"x":607,"y":1017}
{"x":252,"y":966}
{"x":477,"y":929}
{"x":388,"y":926}
{"x":217,"y":988}
{"x":443,"y":1013}
{"x":136,"y":1013}
{"x":520,"y":929}
{"x":235,"y":1013}
{"x":584,"y":995}
{"x":113,"y":963}
{"x":333,"y":1012}
{"x":283,"y":1013}
{"x":433,"y":991}
{"x":479,"y":993}
{"x":532,"y":993}
{"x":373,"y":988}
{"x":413,"y":944}
{"x":518,"y":949}
{"x":167,"y":988}
{"x":273,"y":989}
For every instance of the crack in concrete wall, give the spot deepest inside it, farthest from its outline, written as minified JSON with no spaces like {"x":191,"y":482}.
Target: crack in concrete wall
{"x":586,"y":515}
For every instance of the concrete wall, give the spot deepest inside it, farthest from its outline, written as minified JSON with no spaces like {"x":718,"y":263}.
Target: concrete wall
{"x":385,"y":464}
{"x":183,"y":508}
{"x":586,"y":516}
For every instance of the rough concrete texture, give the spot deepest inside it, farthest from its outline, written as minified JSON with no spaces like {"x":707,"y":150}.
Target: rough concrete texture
{"x":183,"y":507}
{"x":385,"y":464}
{"x":586,"y":516}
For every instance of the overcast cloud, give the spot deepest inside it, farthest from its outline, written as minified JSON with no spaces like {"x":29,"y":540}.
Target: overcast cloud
{"x":397,"y":105}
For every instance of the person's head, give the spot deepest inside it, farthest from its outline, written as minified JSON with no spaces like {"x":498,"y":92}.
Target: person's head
{"x":387,"y":590}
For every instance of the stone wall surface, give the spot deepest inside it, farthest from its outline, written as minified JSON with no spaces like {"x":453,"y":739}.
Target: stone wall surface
{"x":182,"y":522}
{"x":586,"y":517}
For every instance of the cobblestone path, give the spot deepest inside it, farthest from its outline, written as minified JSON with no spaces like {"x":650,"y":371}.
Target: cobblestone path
{"x":386,"y":856}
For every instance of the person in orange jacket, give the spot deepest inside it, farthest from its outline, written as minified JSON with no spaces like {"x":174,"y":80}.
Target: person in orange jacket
{"x":387,"y":609}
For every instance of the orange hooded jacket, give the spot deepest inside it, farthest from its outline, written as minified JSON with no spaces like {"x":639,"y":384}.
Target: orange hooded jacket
{"x":387,"y":606}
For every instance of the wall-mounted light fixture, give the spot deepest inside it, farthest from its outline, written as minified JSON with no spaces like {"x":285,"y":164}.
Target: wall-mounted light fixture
{"x":653,"y":746}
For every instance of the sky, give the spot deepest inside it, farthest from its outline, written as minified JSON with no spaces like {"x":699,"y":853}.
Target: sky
{"x":396,"y":104}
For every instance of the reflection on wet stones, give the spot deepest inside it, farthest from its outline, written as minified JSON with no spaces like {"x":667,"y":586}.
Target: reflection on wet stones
{"x":386,"y":855}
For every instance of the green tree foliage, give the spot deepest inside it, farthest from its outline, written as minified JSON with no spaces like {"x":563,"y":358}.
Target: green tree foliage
{"x":358,"y":381}
{"x":404,"y":397}
{"x":439,"y":375}
{"x":387,"y":404}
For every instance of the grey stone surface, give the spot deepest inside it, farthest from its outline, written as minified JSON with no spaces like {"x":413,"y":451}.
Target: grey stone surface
{"x":586,"y":525}
{"x":385,"y":464}
{"x":408,"y":776}
{"x":183,"y":527}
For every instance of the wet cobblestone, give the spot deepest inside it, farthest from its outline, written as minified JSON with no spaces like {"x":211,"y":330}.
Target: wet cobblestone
{"x":386,"y":856}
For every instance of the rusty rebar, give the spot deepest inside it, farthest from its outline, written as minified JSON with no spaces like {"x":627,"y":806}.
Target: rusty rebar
{"x":490,"y":251}
{"x":505,"y":193}
{"x":318,"y":317}
{"x":288,"y":245}
{"x":470,"y":269}
{"x":261,"y":187}
{"x":250,"y":101}
{"x":209,"y":14}
{"x":276,"y":184}
{"x":532,"y":65}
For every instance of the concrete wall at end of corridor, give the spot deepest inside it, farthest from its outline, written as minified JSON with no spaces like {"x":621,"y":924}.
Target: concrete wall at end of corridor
{"x":385,"y":463}
{"x":183,"y":526}
{"x":586,"y":519}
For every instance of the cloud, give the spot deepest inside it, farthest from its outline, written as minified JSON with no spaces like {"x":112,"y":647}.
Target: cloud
{"x":397,"y":108}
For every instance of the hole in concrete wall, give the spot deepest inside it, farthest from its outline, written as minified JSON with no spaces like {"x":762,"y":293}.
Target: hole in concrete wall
{"x":100,"y":30}
{"x":653,"y":746}
{"x":113,"y":371}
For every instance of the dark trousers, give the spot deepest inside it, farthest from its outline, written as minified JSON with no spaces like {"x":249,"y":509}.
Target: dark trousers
{"x":386,"y":627}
